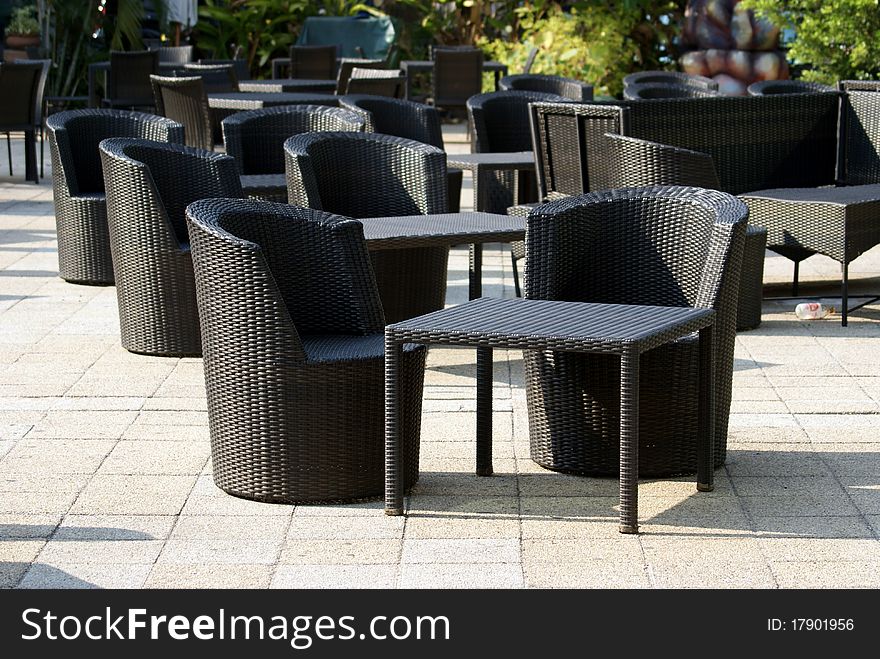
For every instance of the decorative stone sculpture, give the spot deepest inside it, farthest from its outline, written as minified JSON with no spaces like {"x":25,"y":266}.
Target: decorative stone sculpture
{"x":730,"y":45}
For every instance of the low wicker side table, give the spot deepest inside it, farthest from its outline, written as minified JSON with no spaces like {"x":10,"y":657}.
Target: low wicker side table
{"x":524,"y":324}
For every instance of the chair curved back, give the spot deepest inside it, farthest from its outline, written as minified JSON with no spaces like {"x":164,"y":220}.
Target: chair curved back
{"x":78,"y":184}
{"x":348,"y":64}
{"x":669,"y":78}
{"x":41,"y":86}
{"x":292,"y":339}
{"x":647,"y":91}
{"x":20,"y":86}
{"x":128,"y":80}
{"x":240,"y":66}
{"x":395,"y":116}
{"x":184,"y":100}
{"x":565,"y":87}
{"x":365,"y":174}
{"x":767,"y":87}
{"x":255,"y":138}
{"x":639,"y":163}
{"x":500,"y":120}
{"x":458,"y":75}
{"x":668,"y":246}
{"x":217,"y":78}
{"x":175,"y":54}
{"x":859,"y":158}
{"x":313,"y":62}
{"x":376,"y":82}
{"x":149,"y":185}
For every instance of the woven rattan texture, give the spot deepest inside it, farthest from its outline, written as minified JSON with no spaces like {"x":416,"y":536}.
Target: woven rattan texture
{"x":184,"y":100}
{"x":293,"y":353}
{"x":78,"y":185}
{"x":658,"y":246}
{"x":566,"y":87}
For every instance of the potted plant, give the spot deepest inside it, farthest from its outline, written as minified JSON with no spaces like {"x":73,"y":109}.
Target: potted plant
{"x":23,"y":29}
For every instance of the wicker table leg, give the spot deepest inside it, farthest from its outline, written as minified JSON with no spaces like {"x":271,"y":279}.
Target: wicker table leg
{"x":484,"y":411}
{"x":475,"y":271}
{"x":393,"y":484}
{"x":706,"y":429}
{"x":629,"y":442}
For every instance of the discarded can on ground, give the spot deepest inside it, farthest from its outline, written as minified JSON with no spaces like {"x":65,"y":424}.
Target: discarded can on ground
{"x":812,"y":311}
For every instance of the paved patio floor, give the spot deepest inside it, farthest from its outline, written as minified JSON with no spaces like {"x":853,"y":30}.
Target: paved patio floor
{"x":106,"y":481}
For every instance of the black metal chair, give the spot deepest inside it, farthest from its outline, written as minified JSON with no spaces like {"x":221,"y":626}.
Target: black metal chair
{"x":148,"y":187}
{"x":666,"y":246}
{"x":371,"y":175}
{"x":403,"y":118}
{"x":255,"y":139}
{"x":84,"y":255}
{"x":184,"y":100}
{"x":293,"y":342}
{"x":128,"y":79}
{"x":565,"y":87}
{"x":21,"y":110}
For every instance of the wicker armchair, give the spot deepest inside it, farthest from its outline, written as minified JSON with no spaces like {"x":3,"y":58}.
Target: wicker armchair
{"x":376,"y":82}
{"x":239,"y":66}
{"x":128,"y":80}
{"x":767,"y":87}
{"x":641,"y":163}
{"x":348,"y":64}
{"x":149,"y":185}
{"x":78,"y":184}
{"x":565,"y":87}
{"x":371,"y":175}
{"x":647,"y":91}
{"x":184,"y":100}
{"x":669,"y":78}
{"x":255,"y":139}
{"x":175,"y":54}
{"x":668,"y":246}
{"x":414,"y":121}
{"x":292,"y":330}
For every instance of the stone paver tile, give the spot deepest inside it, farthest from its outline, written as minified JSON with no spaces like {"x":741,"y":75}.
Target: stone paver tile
{"x":156,"y":457}
{"x":743,"y":393}
{"x":197,"y":551}
{"x":785,"y":486}
{"x":134,"y":495}
{"x":604,"y":573}
{"x":88,"y":528}
{"x":811,"y":527}
{"x":581,"y":529}
{"x":443,"y":484}
{"x":100,"y":403}
{"x":592,"y":508}
{"x":348,"y":528}
{"x":827,"y":574}
{"x":843,"y":435}
{"x":172,"y":417}
{"x":335,"y":576}
{"x":176,"y":403}
{"x":365,"y":509}
{"x":88,"y":575}
{"x":775,"y":460}
{"x":101,"y":551}
{"x":33,"y":503}
{"x":711,"y":574}
{"x":155,"y":432}
{"x":692,"y":550}
{"x":11,"y":481}
{"x":82,"y":456}
{"x":461,"y":550}
{"x":548,"y":484}
{"x":20,"y":551}
{"x":11,"y":573}
{"x":463,"y":450}
{"x":23,"y":526}
{"x":451,"y":527}
{"x":799,"y":505}
{"x":484,"y":575}
{"x":340,"y":552}
{"x":821,"y":549}
{"x":268,"y":529}
{"x":217,"y":575}
{"x":498,"y":507}
{"x":558,"y":550}
{"x":444,"y":465}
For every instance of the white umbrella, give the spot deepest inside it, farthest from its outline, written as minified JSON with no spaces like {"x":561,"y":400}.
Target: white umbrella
{"x":185,"y":12}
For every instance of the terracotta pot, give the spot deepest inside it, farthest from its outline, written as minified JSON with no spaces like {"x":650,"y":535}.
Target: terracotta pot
{"x":22,"y":40}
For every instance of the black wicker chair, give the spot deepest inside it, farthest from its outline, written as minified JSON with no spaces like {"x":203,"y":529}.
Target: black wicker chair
{"x":669,"y":78}
{"x":217,"y":78}
{"x":348,"y":64}
{"x":376,"y":82}
{"x":149,"y":185}
{"x":371,"y":175}
{"x":668,"y":246}
{"x":255,"y":139}
{"x":78,"y":184}
{"x":239,"y":66}
{"x":565,"y":87}
{"x":767,"y":87}
{"x":458,"y":75}
{"x":128,"y":80}
{"x":175,"y":54}
{"x":21,"y":85}
{"x":640,"y":163}
{"x":312,"y":62}
{"x":184,"y":100}
{"x":403,"y":118}
{"x":648,"y":91}
{"x":292,"y":331}
{"x":841,"y":221}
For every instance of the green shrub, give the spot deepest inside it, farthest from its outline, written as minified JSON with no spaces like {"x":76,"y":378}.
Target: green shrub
{"x":23,"y":21}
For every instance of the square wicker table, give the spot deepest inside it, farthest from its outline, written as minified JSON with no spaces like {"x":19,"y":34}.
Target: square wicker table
{"x":524,"y":324}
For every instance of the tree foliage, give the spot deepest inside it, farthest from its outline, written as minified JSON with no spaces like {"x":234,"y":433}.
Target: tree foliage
{"x":834,"y":39}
